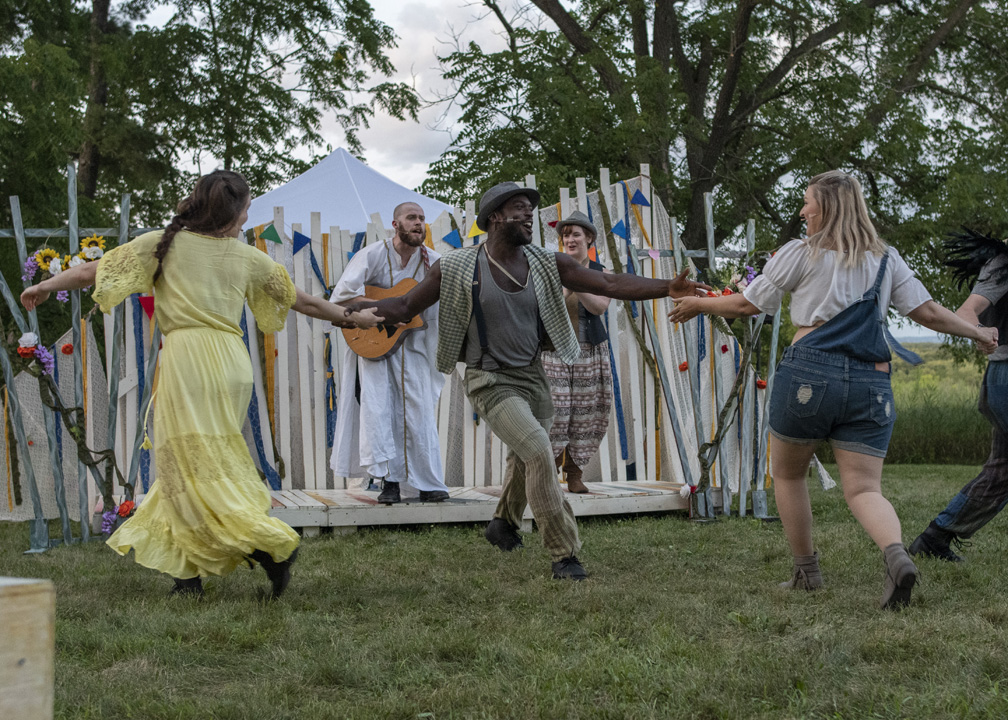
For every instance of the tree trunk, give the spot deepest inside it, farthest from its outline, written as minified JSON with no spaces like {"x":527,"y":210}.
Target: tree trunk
{"x":94,"y":116}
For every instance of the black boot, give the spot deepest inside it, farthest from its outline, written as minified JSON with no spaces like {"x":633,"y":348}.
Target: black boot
{"x":934,"y":543}
{"x":503,"y":534}
{"x":277,"y":572}
{"x":190,"y":587}
{"x":390,"y":493}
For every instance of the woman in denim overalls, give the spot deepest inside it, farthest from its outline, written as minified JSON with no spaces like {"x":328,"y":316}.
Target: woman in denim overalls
{"x":833,"y":382}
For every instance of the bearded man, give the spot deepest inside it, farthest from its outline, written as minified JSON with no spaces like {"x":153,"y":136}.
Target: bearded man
{"x":386,"y":422}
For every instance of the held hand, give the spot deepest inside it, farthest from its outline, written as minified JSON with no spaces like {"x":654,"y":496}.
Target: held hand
{"x":686,"y":308}
{"x":34,"y":296}
{"x":679,"y":286}
{"x":989,"y":341}
{"x":364,"y":319}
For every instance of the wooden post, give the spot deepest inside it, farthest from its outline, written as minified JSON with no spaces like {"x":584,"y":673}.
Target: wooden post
{"x":747,"y":409}
{"x":56,"y":467}
{"x":283,"y":389}
{"x":27,"y":654}
{"x":318,"y":356}
{"x":303,"y":335}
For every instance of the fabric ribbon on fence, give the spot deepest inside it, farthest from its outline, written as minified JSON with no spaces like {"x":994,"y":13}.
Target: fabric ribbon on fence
{"x":138,"y":342}
{"x":300,"y":242}
{"x":358,"y":242}
{"x":738,"y":360}
{"x":618,"y":399}
{"x":58,"y":418}
{"x":330,"y":393}
{"x":7,"y":462}
{"x":631,"y":251}
{"x":272,"y":476}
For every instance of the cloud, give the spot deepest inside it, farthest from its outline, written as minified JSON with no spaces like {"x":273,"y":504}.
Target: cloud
{"x":404,"y":150}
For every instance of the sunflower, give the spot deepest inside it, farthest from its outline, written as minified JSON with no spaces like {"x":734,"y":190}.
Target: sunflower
{"x":93,"y":241}
{"x":45,"y":256}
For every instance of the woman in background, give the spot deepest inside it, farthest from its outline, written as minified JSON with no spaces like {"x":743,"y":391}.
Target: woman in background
{"x":582,"y":392}
{"x":833,"y":381}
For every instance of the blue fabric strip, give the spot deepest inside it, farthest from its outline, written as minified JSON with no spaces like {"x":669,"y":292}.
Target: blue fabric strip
{"x":618,"y":399}
{"x":272,"y":477}
{"x":138,"y":341}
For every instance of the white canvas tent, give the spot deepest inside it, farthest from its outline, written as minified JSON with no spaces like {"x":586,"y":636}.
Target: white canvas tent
{"x":344,"y":190}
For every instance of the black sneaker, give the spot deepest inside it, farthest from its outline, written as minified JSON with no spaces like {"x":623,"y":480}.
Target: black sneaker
{"x":503,"y":534}
{"x":192,"y":587}
{"x":390,"y":493}
{"x":570,"y":568}
{"x":934,"y":543}
{"x":434,"y":495}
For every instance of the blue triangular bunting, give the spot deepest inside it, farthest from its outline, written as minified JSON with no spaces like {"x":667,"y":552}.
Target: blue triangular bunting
{"x":454,"y":238}
{"x":300,"y":241}
{"x":639,"y":199}
{"x":620,"y":230}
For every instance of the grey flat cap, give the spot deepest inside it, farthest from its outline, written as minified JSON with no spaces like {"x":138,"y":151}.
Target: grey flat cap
{"x":498,"y":195}
{"x":577,"y":218}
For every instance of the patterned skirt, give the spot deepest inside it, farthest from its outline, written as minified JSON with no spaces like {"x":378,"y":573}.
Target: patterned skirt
{"x":582,"y":396}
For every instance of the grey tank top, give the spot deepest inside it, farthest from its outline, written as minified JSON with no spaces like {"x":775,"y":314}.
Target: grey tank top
{"x":512,"y":325}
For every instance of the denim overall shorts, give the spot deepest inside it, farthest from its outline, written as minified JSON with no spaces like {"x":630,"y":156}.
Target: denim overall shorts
{"x":827,"y":387}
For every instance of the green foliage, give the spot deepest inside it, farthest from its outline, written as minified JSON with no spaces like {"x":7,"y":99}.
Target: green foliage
{"x":678,"y":620}
{"x":746,"y":100}
{"x":223,"y":83}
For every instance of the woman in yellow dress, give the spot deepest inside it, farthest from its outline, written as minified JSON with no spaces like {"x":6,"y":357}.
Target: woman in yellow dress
{"x":207,"y":511}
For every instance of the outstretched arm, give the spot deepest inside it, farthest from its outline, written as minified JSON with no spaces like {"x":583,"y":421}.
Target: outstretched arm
{"x":578,"y":278}
{"x":727,"y":306}
{"x":75,"y":278}
{"x":401,"y":309}
{"x":940,"y":319}
{"x":316,"y":307}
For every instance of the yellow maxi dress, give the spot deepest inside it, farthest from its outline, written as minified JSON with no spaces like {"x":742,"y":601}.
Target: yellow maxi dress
{"x":207,"y":508}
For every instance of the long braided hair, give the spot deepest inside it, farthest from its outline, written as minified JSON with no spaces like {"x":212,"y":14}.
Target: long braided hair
{"x":215,"y":203}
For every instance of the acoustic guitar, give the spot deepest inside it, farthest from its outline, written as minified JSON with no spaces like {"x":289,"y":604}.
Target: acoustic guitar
{"x":382,"y":340}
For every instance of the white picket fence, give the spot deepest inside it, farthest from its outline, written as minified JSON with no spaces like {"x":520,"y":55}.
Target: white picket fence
{"x":297,"y":370}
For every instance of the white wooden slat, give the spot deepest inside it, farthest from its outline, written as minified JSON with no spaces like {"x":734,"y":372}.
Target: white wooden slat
{"x":651,"y":387}
{"x":282,"y":372}
{"x":318,"y":355}
{"x":303,"y":332}
{"x":537,"y":236}
{"x":480,"y":454}
{"x":469,"y":447}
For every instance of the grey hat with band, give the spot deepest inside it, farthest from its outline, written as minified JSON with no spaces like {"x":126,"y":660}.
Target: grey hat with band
{"x":498,"y":195}
{"x":580,"y":219}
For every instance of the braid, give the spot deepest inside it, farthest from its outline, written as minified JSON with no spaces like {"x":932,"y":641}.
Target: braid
{"x":215,"y":204}
{"x":165,"y":243}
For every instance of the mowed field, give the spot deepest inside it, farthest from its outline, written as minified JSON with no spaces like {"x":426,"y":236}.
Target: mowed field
{"x":679,"y":619}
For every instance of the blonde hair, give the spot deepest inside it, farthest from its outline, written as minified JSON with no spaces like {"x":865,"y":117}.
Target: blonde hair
{"x":846,"y":226}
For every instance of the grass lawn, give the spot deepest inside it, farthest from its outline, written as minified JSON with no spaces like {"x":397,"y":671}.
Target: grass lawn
{"x":678,"y":620}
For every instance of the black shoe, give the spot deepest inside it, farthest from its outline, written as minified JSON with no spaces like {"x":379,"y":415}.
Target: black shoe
{"x":934,"y":543}
{"x":277,"y":572}
{"x":188,"y":587}
{"x":503,"y":534}
{"x":433,"y":495}
{"x":569,"y":568}
{"x":390,"y":493}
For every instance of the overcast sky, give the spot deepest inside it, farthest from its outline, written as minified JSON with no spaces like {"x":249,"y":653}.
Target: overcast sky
{"x":404,"y":150}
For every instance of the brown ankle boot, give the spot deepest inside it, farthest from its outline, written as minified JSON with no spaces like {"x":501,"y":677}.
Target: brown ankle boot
{"x":574,"y":483}
{"x":806,"y":574}
{"x":900,"y":577}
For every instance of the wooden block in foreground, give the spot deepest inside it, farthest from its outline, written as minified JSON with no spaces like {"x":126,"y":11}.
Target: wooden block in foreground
{"x":27,"y":648}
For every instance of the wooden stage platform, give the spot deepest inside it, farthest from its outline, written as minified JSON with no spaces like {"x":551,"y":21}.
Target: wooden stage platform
{"x":345,"y":510}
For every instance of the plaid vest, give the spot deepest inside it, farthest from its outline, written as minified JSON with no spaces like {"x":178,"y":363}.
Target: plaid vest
{"x":455,"y":311}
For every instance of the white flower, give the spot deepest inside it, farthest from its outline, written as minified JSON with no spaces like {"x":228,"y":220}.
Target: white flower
{"x":77,"y":260}
{"x":742,"y":284}
{"x":92,"y":253}
{"x":29,"y":339}
{"x":685,"y":491}
{"x":55,"y":266}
